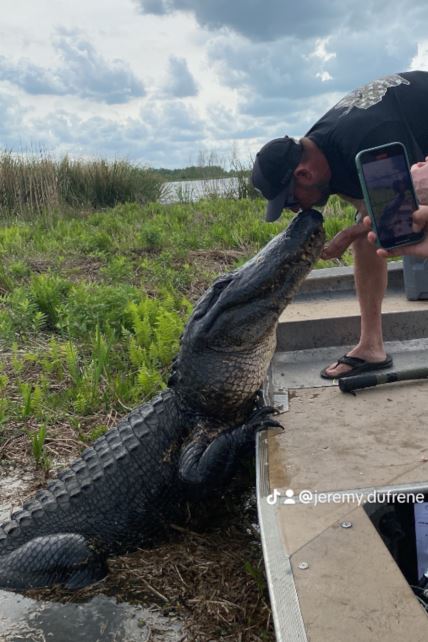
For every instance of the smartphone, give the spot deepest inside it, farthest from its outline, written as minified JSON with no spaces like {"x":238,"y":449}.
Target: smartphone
{"x":389,"y":195}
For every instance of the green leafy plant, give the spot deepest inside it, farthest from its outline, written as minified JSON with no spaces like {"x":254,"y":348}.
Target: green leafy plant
{"x":257,"y":576}
{"x":4,"y":380}
{"x":48,"y":292}
{"x":90,"y":320}
{"x":4,"y":410}
{"x":17,"y":359}
{"x":97,"y":432}
{"x":6,"y":282}
{"x":89,"y":379}
{"x":23,"y":313}
{"x":39,"y":450}
{"x":32,"y":399}
{"x":92,"y":305}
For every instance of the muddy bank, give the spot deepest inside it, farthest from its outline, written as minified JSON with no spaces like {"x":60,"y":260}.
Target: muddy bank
{"x":101,"y":619}
{"x":206,"y":584}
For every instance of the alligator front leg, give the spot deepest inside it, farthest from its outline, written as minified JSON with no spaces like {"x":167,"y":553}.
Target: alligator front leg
{"x":208,"y":461}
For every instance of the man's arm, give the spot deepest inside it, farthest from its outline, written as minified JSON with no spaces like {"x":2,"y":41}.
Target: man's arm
{"x":337,"y":246}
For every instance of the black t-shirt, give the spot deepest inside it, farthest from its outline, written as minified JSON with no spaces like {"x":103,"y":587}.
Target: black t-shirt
{"x":394,"y":108}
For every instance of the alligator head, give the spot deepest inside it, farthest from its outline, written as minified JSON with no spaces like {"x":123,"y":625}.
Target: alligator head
{"x":230,"y":338}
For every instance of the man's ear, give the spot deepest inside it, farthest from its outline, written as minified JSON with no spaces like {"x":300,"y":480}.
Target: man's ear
{"x":304,"y":174}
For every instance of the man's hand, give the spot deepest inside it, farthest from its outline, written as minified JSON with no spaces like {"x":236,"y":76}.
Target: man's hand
{"x":336,"y":247}
{"x":420,"y":222}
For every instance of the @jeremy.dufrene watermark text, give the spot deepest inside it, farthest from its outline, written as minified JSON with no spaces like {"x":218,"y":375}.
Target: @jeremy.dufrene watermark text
{"x":350,"y":497}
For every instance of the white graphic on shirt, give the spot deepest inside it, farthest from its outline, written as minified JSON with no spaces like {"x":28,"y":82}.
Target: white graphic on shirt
{"x":370,"y":94}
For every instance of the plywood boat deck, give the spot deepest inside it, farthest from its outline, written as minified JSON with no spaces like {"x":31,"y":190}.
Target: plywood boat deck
{"x":330,"y":576}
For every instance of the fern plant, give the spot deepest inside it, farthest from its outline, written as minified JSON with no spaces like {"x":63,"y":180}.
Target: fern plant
{"x":4,"y":411}
{"x":32,"y":399}
{"x":48,"y":292}
{"x":38,"y":449}
{"x":88,"y":378}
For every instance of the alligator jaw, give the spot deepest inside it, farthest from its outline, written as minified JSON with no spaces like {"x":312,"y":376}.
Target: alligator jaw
{"x":230,"y":338}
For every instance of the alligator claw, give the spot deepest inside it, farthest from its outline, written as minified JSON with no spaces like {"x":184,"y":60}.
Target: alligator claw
{"x":273,"y":423}
{"x":269,"y":423}
{"x":260,"y":413}
{"x":262,"y":420}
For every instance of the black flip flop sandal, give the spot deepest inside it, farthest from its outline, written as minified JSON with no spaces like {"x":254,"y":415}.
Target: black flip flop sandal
{"x":358,"y":366}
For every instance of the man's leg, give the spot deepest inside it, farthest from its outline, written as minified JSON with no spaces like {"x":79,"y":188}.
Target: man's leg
{"x":370,"y":273}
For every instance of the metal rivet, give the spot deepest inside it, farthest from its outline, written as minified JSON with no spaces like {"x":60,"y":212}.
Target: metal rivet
{"x":303,"y":566}
{"x":346,"y":524}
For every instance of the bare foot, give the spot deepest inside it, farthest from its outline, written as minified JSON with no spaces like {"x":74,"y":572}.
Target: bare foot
{"x":336,"y":370}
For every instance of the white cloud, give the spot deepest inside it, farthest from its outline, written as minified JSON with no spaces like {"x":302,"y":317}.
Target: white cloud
{"x":320,"y":50}
{"x":420,"y":60}
{"x":81,"y":72}
{"x":323,"y":76}
{"x":258,"y":20}
{"x":158,"y":81}
{"x":180,"y":82}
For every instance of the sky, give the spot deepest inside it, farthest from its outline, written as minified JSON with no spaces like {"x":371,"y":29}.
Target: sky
{"x":172,"y":83}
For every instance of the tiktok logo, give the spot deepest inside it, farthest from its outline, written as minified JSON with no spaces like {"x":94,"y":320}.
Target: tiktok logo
{"x":271,"y":499}
{"x":289,"y":497}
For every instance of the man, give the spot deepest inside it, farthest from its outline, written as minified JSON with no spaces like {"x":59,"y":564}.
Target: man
{"x":302,"y":174}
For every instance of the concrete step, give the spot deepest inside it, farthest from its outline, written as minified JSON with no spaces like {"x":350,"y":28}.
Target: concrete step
{"x":301,"y":368}
{"x":342,"y":278}
{"x":326,"y":312}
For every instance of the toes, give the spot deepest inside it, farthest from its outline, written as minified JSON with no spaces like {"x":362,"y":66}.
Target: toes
{"x":337,"y":370}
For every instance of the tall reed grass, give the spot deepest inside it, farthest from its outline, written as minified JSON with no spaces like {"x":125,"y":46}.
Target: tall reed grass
{"x":31,"y":185}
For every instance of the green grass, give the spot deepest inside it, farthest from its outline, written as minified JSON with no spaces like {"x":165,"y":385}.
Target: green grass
{"x":92,"y":305}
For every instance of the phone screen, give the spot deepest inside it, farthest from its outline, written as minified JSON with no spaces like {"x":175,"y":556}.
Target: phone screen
{"x":389,"y":189}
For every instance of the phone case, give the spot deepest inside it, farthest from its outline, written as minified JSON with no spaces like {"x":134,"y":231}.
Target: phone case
{"x":359,"y":163}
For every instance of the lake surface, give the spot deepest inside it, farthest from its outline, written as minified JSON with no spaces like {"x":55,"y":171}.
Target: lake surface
{"x":191,"y":191}
{"x":101,"y":619}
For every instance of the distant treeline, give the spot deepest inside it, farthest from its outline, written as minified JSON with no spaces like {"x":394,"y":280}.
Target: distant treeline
{"x":195,"y":172}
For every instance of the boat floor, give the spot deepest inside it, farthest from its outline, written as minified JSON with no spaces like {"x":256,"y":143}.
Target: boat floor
{"x":331,"y":577}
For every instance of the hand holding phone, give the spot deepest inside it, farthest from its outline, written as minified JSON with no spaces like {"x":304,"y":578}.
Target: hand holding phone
{"x":418,"y":250}
{"x":389,"y":194}
{"x":419,"y":172}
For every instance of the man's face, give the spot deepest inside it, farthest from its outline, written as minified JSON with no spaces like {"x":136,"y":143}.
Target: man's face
{"x":308,"y":196}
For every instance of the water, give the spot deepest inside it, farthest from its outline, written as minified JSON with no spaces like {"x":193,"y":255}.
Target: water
{"x":101,"y":619}
{"x":191,"y":191}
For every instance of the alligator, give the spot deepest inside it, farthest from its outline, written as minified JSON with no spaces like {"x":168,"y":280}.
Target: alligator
{"x":126,"y":490}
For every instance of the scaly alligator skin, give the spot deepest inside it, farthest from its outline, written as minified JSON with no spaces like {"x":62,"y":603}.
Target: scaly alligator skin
{"x":134,"y":481}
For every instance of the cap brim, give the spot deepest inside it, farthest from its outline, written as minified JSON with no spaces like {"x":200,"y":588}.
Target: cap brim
{"x":276,"y":205}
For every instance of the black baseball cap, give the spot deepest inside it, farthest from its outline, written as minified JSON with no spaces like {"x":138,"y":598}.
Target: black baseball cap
{"x":272,"y":174}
